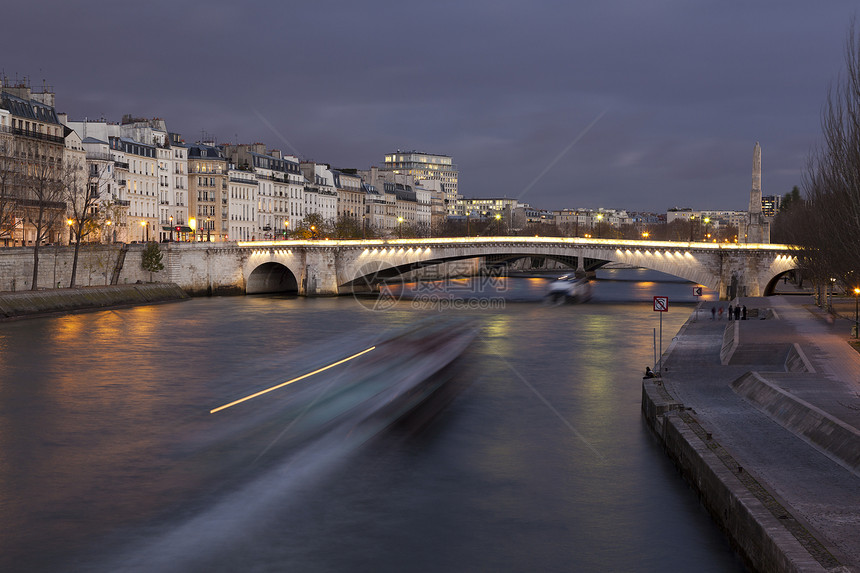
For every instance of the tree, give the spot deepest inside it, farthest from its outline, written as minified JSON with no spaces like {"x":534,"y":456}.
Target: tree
{"x":150,"y":260}
{"x":9,"y":186}
{"x":45,"y":205}
{"x":827,"y":224}
{"x":313,"y":226}
{"x":348,"y":227}
{"x":81,"y":193}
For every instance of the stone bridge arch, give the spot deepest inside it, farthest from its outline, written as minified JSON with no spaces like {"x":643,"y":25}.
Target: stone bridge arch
{"x":271,"y":271}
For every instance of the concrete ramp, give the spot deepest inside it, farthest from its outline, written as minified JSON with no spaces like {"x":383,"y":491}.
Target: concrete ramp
{"x":837,"y":438}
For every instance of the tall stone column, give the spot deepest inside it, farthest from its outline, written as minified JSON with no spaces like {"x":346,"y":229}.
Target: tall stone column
{"x":755,"y":228}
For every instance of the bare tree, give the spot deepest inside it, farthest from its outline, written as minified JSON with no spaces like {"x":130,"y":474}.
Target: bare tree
{"x":81,"y":192}
{"x":9,"y":184}
{"x":827,"y":225}
{"x":45,"y":205}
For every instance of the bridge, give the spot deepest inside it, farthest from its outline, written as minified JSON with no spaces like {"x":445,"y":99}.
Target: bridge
{"x":332,"y":267}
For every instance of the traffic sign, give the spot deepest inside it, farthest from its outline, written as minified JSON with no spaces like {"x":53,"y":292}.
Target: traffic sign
{"x":697,"y":291}
{"x":661,"y":304}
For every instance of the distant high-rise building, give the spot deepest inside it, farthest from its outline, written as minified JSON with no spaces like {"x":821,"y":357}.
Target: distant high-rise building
{"x":424,"y":166}
{"x":770,"y":205}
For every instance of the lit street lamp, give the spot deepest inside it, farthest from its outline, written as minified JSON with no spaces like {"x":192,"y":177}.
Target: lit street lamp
{"x":498,"y":223}
{"x":599,"y":219}
{"x":144,"y":226}
{"x":707,"y":221}
{"x":286,"y":228}
{"x":171,"y":228}
{"x":400,"y":227}
{"x":856,"y":309}
{"x":69,"y":222}
{"x":192,"y":223}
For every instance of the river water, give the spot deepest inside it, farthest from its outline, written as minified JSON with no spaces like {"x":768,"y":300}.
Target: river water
{"x":533,"y":458}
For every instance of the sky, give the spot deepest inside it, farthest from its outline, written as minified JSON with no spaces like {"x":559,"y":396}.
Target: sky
{"x":618,"y":104}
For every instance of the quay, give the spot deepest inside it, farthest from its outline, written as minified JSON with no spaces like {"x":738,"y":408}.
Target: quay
{"x":21,"y":304}
{"x":762,"y":417}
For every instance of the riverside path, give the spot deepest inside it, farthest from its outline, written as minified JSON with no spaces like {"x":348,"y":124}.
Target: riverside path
{"x":772,"y":405}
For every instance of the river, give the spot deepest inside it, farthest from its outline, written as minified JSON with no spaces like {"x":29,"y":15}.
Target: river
{"x":533,"y":458}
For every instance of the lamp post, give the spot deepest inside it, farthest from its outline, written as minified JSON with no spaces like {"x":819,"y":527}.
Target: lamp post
{"x":599,"y":219}
{"x":498,"y":223}
{"x":143,"y":225}
{"x":108,"y":223}
{"x":400,"y":227}
{"x":286,"y":228}
{"x":171,"y":228}
{"x":192,"y":223}
{"x":208,"y":230}
{"x":707,"y":221}
{"x":69,"y":222}
{"x":313,"y":231}
{"x":856,"y":310}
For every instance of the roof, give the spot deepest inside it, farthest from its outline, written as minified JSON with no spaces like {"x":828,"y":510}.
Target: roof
{"x":28,"y":109}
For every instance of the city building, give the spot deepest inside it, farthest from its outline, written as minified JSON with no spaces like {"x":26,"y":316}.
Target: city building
{"x":770,"y":205}
{"x":242,"y":188}
{"x":424,"y":166}
{"x":320,"y":191}
{"x":31,"y":170}
{"x":207,"y":192}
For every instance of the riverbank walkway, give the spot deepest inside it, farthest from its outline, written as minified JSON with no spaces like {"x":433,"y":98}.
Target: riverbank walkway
{"x":777,"y":398}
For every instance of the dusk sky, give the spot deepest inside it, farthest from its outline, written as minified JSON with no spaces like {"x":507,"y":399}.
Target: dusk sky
{"x":617,"y":104}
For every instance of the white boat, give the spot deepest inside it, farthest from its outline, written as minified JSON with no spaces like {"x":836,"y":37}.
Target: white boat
{"x":570,"y":288}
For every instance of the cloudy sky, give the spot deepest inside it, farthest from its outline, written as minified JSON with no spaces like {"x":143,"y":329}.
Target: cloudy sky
{"x":618,"y":104}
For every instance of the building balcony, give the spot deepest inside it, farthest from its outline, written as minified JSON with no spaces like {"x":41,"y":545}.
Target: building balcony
{"x":32,"y":134}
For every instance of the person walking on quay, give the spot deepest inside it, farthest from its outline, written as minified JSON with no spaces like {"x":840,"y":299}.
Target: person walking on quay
{"x":745,"y":312}
{"x":713,"y":313}
{"x":738,"y":312}
{"x":731,"y":310}
{"x":720,"y":312}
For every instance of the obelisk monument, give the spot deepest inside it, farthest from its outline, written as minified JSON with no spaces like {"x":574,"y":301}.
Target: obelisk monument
{"x":757,"y":230}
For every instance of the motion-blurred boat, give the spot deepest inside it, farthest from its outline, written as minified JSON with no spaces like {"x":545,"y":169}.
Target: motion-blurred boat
{"x":569,"y":288}
{"x":358,"y":396}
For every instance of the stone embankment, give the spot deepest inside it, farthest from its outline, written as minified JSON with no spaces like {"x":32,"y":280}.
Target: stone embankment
{"x":761,"y":417}
{"x":40,"y":302}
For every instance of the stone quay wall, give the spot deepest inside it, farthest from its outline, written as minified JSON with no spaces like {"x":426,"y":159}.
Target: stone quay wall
{"x":39,"y":302}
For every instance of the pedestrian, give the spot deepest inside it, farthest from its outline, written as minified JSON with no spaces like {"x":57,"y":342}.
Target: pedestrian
{"x":730,"y":312}
{"x":745,"y":312}
{"x":713,"y":313}
{"x":720,"y":312}
{"x":737,"y":312}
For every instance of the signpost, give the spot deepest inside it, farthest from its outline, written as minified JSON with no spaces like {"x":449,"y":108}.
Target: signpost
{"x":697,"y":292}
{"x":661,"y":305}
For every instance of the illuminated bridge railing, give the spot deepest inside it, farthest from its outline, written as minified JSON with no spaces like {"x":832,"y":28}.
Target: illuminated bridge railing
{"x":501,"y":241}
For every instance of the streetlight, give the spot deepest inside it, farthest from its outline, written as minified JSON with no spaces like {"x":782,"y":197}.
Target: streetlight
{"x":599,"y":219}
{"x":208,"y":230}
{"x":707,"y":221}
{"x":286,"y":228}
{"x":108,"y":223}
{"x":313,"y":231}
{"x":498,"y":222}
{"x":645,"y":234}
{"x":69,"y":222}
{"x":144,"y":226}
{"x":171,"y":228}
{"x":192,"y":223}
{"x":856,"y":309}
{"x":400,"y":226}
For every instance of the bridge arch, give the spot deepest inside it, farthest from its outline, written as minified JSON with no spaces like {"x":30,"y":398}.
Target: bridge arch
{"x":271,"y":277}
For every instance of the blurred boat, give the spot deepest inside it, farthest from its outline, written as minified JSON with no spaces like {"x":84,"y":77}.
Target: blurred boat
{"x":569,"y":288}
{"x":360,"y":395}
